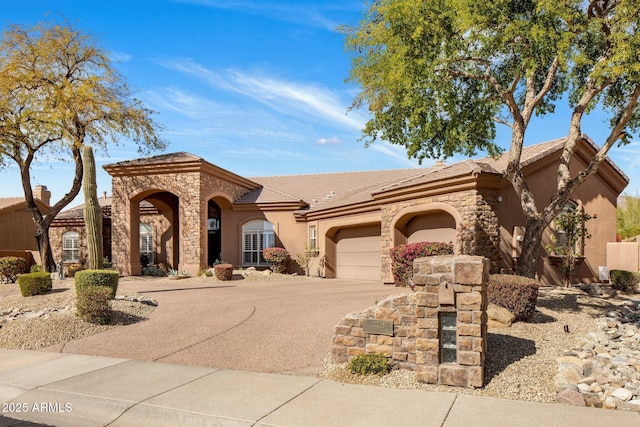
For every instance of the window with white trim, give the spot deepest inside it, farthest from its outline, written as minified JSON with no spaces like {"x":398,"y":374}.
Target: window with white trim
{"x":256,"y":236}
{"x":146,"y":242}
{"x":561,"y":236}
{"x":313,"y":238}
{"x":71,"y":246}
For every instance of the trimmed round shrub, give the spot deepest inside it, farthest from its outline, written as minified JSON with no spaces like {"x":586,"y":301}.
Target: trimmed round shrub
{"x":104,"y":278}
{"x":11,"y":267}
{"x":223,"y":271}
{"x":35,"y":283}
{"x":402,"y":257}
{"x":278,"y":258}
{"x":517,"y":294}
{"x":625,"y":281}
{"x":369,"y":364}
{"x":92,"y":304}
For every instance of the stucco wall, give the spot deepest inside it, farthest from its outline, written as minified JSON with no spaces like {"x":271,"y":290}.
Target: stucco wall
{"x":597,"y":198}
{"x":17,"y":230}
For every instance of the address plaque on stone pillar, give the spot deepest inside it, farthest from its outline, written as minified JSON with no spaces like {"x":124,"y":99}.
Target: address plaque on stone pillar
{"x":377,"y":327}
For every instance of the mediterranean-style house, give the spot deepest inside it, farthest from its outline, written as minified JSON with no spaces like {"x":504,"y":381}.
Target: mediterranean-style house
{"x":181,"y":210}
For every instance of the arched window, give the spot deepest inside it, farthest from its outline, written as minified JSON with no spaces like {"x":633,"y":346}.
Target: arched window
{"x":146,"y":243}
{"x":256,"y":236}
{"x":71,"y":246}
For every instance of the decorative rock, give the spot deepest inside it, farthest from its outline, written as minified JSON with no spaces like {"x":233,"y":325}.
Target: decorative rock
{"x":605,"y":369}
{"x":569,"y":396}
{"x":499,"y":317}
{"x":593,"y":289}
{"x":622,"y":394}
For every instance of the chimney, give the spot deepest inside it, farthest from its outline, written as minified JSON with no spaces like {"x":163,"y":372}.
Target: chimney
{"x":42,"y":193}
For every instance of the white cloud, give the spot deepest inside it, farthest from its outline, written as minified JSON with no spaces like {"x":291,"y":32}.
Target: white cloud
{"x":397,"y":153}
{"x":261,"y":153}
{"x":315,"y":14}
{"x":305,"y":101}
{"x":121,"y":56}
{"x":332,"y":140}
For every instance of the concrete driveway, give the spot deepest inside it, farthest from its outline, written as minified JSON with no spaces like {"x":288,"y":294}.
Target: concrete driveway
{"x":279,"y":326}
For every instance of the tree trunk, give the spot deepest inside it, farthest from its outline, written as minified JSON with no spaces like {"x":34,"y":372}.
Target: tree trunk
{"x":531,"y":248}
{"x":44,"y":247}
{"x":43,"y":222}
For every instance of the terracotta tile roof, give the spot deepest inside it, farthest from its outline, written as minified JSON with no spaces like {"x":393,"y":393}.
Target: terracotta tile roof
{"x":77,"y":212}
{"x":10,"y":202}
{"x":160,"y":159}
{"x":322,"y":189}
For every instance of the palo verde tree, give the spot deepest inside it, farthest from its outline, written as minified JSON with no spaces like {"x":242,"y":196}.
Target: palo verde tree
{"x":438,"y":77}
{"x":59,"y":91}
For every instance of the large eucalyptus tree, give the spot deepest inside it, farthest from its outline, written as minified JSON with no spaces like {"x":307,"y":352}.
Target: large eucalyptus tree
{"x":438,"y":76}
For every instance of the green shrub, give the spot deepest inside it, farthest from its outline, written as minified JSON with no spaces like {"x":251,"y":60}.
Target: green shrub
{"x":35,"y":268}
{"x":35,"y":283}
{"x":402,"y":257}
{"x":205,"y":271}
{"x":278,"y":258}
{"x":104,"y":278}
{"x":11,"y":267}
{"x":625,"y":281}
{"x":515,"y":293}
{"x":368,"y":364}
{"x":223,"y":271}
{"x":92,"y":304}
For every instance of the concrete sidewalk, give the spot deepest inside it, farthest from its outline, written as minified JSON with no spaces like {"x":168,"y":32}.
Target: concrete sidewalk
{"x":79,"y":390}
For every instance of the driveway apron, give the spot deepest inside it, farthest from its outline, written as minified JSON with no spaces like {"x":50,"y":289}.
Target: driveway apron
{"x":277,"y":326}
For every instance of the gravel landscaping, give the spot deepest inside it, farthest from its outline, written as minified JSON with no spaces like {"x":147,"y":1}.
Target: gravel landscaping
{"x":521,"y":360}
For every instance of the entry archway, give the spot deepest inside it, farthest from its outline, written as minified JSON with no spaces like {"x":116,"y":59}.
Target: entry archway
{"x":435,"y":222}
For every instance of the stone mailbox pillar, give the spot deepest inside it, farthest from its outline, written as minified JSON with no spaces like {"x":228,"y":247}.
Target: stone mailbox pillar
{"x":451,"y":334}
{"x":439,"y":331}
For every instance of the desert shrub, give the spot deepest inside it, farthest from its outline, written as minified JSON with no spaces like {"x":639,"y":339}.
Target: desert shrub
{"x":205,"y":271}
{"x":369,"y":364}
{"x":34,"y":283}
{"x":402,"y":257}
{"x":11,"y":267}
{"x":277,"y":259}
{"x":73,"y":269}
{"x":153,"y":270}
{"x":92,"y":304}
{"x":625,"y":281}
{"x":106,"y":263}
{"x":223,"y":271}
{"x":104,"y":278}
{"x":515,"y":293}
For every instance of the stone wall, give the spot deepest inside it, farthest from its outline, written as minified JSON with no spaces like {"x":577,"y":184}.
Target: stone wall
{"x":477,"y":234}
{"x":413,"y":339}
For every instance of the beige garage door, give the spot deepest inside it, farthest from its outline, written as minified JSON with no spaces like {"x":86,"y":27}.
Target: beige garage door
{"x":358,"y":253}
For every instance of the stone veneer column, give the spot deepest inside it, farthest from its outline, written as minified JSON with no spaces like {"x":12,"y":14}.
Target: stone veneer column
{"x":414,"y":342}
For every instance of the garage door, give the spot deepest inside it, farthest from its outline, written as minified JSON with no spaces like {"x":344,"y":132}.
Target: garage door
{"x":358,"y":253}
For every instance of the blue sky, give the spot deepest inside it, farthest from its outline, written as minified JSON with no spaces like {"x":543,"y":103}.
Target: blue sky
{"x":255,"y":87}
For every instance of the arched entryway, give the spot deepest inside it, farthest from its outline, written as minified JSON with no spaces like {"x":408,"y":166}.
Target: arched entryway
{"x":436,"y":222}
{"x":155,"y":214}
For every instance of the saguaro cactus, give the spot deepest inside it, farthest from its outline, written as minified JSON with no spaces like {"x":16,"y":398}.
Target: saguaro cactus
{"x":92,"y":211}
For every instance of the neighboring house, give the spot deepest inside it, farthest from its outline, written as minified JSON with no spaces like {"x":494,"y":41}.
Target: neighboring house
{"x":17,"y":229}
{"x":183,"y":211}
